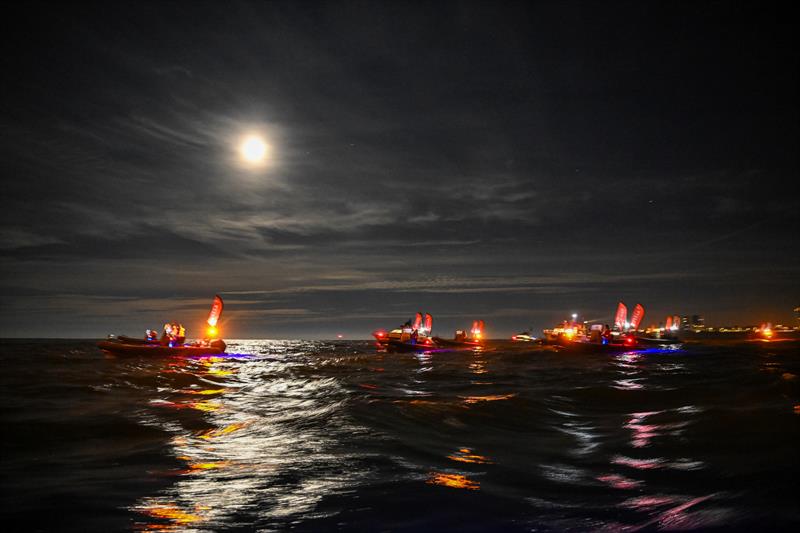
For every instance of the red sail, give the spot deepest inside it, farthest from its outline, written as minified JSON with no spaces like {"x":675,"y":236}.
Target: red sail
{"x":622,"y":315}
{"x":480,"y":327}
{"x":216,"y":311}
{"x":474,"y":327}
{"x":638,"y":315}
{"x":417,"y":321}
{"x":668,"y":324}
{"x":428,"y":322}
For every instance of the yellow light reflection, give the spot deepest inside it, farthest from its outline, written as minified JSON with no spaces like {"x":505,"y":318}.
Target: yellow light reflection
{"x":170,"y":512}
{"x":454,"y":481}
{"x":205,"y":392}
{"x":230,"y":428}
{"x":465,"y":455}
{"x":209,"y":466}
{"x":488,"y":398}
{"x":206,"y":406}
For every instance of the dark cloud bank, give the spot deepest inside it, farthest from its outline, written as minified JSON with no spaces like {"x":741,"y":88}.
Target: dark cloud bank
{"x":514,"y":162}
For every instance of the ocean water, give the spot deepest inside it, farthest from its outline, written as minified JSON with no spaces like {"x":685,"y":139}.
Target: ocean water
{"x":323,"y":436}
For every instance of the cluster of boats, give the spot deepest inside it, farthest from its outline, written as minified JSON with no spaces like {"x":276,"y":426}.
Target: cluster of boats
{"x":571,"y":336}
{"x":416,"y":335}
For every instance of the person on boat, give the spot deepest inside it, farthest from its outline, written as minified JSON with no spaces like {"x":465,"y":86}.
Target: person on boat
{"x":606,"y":335}
{"x":150,"y":335}
{"x":180,"y":334}
{"x":414,"y":337}
{"x":174,"y":334}
{"x":166,"y":334}
{"x":405,"y":331}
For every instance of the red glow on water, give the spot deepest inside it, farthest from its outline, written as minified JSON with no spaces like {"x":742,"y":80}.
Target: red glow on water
{"x":619,"y":482}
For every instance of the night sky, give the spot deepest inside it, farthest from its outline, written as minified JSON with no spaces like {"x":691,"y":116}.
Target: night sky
{"x":515,"y":162}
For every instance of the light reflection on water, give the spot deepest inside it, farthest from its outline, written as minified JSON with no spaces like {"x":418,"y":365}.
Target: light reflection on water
{"x":269,"y":447}
{"x":271,"y":436}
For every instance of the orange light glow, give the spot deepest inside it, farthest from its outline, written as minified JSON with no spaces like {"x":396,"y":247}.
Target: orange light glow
{"x":212,"y":331}
{"x":205,"y":406}
{"x":169,"y":512}
{"x":454,"y":481}
{"x":488,"y":398}
{"x":204,"y":392}
{"x":208,"y":466}
{"x":214,"y":433}
{"x":465,"y":455}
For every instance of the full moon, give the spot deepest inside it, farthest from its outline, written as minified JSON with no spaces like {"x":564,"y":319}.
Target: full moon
{"x":253,"y":149}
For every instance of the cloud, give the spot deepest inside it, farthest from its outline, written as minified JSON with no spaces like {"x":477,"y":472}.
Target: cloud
{"x":455,"y":164}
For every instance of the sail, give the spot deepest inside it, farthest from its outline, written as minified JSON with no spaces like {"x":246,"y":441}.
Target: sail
{"x":216,"y":311}
{"x":638,"y":315}
{"x":417,"y":321}
{"x":480,"y":327}
{"x":676,"y":322}
{"x":621,"y":316}
{"x":474,"y":329}
{"x":428,"y":322}
{"x":668,"y":323}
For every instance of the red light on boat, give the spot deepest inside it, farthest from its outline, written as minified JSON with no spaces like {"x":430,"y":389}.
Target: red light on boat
{"x":629,"y":341}
{"x":513,"y":337}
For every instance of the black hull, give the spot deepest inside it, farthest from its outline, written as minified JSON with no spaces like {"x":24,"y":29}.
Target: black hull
{"x":449,"y":343}
{"x":156,"y":350}
{"x":656,"y":342}
{"x":397,"y":346}
{"x":590,"y":347}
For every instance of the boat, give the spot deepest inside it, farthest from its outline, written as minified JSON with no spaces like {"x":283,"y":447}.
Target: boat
{"x":171,"y":343}
{"x":571,"y":335}
{"x":625,"y":344}
{"x":117,"y":346}
{"x":455,"y":343}
{"x":462,"y":340}
{"x":524,"y":336}
{"x":655,"y":341}
{"x":422,"y":345}
{"x":410,"y":337}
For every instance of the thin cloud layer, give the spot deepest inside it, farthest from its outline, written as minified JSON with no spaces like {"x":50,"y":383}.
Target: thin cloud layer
{"x":468,"y":158}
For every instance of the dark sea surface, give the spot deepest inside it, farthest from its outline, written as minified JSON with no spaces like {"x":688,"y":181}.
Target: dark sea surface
{"x":319,"y":436}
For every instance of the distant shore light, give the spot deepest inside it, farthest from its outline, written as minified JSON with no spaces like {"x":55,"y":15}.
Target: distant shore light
{"x":253,"y":149}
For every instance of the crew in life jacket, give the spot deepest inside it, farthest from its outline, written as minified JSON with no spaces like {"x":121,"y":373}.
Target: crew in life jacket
{"x":606,"y":335}
{"x":180,"y":333}
{"x":166,"y":334}
{"x":174,"y":334}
